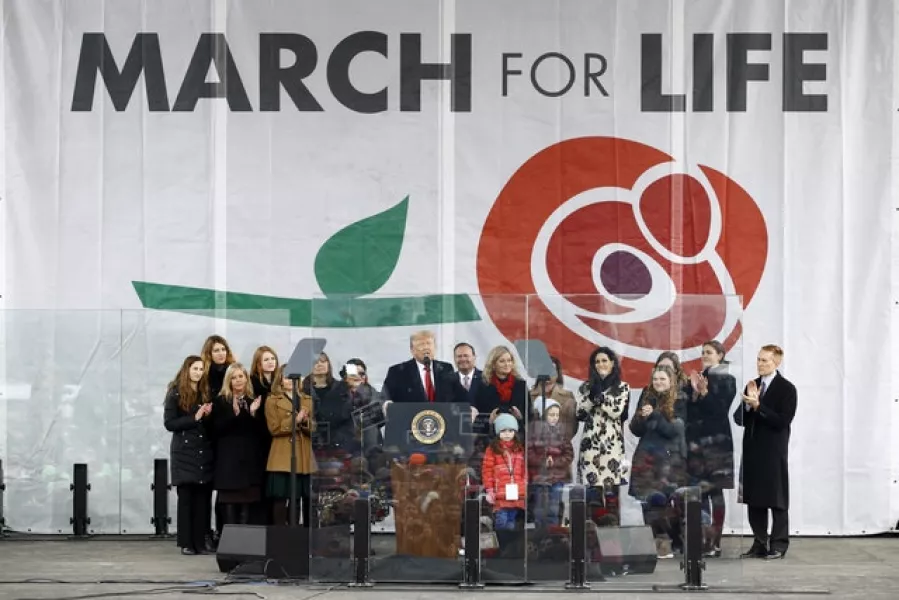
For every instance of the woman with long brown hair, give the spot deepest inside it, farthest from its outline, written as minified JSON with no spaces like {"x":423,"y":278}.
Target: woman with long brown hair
{"x":262,"y":371}
{"x":262,"y":378}
{"x":320,"y":382}
{"x":186,"y":415}
{"x":216,"y":355}
{"x":658,"y":466}
{"x":710,"y":444}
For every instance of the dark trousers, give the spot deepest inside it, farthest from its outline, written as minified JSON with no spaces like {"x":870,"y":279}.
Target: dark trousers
{"x":281,"y":506}
{"x":236,"y":514}
{"x":509,"y":524}
{"x":194,"y":505}
{"x":664,"y":521}
{"x":780,"y":527}
{"x":604,"y":505}
{"x":713,"y":502}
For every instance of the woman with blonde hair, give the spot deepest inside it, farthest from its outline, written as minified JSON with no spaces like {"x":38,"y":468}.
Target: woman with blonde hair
{"x":504,"y":390}
{"x":186,"y":416}
{"x":239,"y":424}
{"x":280,"y":419}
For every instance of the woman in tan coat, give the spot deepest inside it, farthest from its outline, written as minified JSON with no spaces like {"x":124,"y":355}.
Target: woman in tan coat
{"x":278,"y":415}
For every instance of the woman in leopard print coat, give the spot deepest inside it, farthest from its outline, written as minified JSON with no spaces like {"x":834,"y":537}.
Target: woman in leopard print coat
{"x":602,"y":405}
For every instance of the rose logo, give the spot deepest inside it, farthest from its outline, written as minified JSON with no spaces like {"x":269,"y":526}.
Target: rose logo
{"x":606,"y":241}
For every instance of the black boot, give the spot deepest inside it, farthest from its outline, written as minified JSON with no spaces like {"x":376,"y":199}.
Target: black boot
{"x":231,"y":514}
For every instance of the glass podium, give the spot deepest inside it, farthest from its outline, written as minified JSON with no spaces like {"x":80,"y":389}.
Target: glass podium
{"x":418,"y":461}
{"x":398,"y":473}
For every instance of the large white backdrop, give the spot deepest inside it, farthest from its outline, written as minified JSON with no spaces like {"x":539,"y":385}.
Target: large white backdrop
{"x":117,"y":200}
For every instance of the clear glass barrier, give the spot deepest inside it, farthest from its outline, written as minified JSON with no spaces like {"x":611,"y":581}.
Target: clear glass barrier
{"x":61,"y":397}
{"x":501,"y":468}
{"x":382,"y":438}
{"x":154,"y":344}
{"x":636,"y":466}
{"x":82,"y":386}
{"x":88,"y":387}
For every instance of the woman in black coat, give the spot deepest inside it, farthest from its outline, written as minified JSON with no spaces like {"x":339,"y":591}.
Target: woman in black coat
{"x":710,"y":444}
{"x":262,"y":372}
{"x":658,"y":467}
{"x":504,"y":391}
{"x":238,"y":421}
{"x":192,"y":460}
{"x":348,"y":451}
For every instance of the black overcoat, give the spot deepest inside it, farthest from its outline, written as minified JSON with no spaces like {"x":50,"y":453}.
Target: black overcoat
{"x":192,"y":457}
{"x":238,"y":445}
{"x":710,"y":443}
{"x":766,"y":441}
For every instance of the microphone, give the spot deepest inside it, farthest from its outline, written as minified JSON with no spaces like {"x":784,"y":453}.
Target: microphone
{"x":426,"y":361}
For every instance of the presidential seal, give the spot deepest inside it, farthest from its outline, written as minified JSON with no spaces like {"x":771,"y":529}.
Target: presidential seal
{"x":428,"y":427}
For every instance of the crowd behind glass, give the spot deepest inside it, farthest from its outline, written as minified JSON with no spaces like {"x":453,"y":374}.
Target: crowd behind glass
{"x":232,"y":426}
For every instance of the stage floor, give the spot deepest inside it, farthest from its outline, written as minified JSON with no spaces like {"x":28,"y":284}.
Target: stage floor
{"x":114,"y":567}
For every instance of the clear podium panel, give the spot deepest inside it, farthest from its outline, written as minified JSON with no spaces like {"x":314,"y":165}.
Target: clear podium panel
{"x":60,"y":406}
{"x":632,"y":407}
{"x":155,"y":345}
{"x":499,"y":464}
{"x":393,"y":429}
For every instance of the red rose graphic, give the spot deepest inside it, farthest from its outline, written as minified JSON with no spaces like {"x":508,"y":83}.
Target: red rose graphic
{"x":605,"y":241}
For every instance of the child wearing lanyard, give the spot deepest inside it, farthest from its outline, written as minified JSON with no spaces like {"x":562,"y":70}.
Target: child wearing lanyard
{"x":504,"y":473}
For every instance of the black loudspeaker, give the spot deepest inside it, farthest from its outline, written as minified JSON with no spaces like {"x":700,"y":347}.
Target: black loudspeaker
{"x":626,"y":550}
{"x":2,"y":489}
{"x":276,"y":551}
{"x":160,"y":488}
{"x":79,"y":488}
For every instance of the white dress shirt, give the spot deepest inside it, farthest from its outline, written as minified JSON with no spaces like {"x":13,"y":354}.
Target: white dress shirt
{"x":766,"y":380}
{"x":421,"y":373}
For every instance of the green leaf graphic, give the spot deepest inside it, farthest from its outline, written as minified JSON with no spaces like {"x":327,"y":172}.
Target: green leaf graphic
{"x":360,"y":258}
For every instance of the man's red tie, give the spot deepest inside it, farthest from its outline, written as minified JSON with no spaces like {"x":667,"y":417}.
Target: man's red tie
{"x":429,"y":385}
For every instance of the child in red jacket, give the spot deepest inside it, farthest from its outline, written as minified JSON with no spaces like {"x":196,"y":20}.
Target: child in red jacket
{"x":504,"y":474}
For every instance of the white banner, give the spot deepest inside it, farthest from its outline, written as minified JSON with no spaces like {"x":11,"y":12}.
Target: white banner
{"x":359,"y":170}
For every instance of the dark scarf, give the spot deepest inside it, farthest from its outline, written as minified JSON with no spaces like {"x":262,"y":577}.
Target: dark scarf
{"x":504,"y":387}
{"x":215,"y":378}
{"x":599,"y":385}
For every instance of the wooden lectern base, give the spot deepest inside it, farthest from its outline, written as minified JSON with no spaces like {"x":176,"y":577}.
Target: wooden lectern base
{"x":428,"y":509}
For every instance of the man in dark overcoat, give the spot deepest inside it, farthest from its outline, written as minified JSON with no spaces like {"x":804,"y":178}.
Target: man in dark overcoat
{"x":767,"y":410}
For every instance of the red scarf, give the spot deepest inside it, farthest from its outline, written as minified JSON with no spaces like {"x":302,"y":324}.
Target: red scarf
{"x":504,"y":388}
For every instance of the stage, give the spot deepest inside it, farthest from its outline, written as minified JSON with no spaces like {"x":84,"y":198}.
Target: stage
{"x":135,"y":567}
